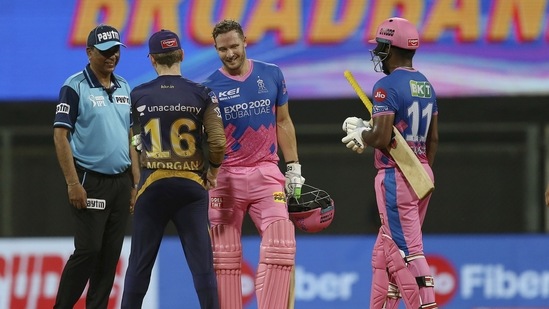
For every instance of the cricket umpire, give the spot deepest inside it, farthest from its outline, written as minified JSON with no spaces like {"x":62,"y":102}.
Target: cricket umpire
{"x":92,"y":141}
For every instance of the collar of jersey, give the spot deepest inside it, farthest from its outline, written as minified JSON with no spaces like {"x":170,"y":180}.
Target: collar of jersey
{"x":94,"y":82}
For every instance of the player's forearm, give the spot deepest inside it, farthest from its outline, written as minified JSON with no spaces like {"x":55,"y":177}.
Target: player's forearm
{"x":287,"y":140}
{"x":213,"y":125}
{"x":64,"y":156}
{"x":216,"y":145}
{"x":431,"y":152}
{"x":134,"y":156}
{"x":378,"y":137}
{"x":432,"y":140}
{"x":432,"y":147}
{"x":381,"y":133}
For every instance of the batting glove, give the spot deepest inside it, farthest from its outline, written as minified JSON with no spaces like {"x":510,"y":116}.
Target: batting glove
{"x":136,"y":142}
{"x":351,"y":123}
{"x":354,"y":139}
{"x":294,"y":180}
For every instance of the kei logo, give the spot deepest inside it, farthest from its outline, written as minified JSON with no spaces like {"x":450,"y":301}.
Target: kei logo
{"x":229,"y":93}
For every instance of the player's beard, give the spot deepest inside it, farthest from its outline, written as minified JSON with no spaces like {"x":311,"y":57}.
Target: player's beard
{"x":236,"y":64}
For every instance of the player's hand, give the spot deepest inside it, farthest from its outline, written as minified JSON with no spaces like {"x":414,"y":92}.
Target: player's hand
{"x":354,"y":139}
{"x":351,"y":123}
{"x":133,"y":198}
{"x":294,"y":180}
{"x":78,"y":196}
{"x":136,"y":142}
{"x":211,"y":178}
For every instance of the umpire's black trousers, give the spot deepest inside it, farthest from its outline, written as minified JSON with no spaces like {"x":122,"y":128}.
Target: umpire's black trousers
{"x":99,"y":235}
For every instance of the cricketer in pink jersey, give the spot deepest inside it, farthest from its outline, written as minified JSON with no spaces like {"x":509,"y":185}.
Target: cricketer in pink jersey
{"x":254,"y":107}
{"x":406,"y":100}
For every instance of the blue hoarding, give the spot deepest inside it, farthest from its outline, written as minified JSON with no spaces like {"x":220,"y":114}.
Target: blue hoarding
{"x":333,"y":272}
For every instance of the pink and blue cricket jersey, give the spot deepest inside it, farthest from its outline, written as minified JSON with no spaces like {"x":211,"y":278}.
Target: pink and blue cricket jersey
{"x":410,"y":97}
{"x":248,"y":106}
{"x":249,"y":179}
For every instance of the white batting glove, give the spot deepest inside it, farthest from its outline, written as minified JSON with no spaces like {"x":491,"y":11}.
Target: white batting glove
{"x":294,"y":180}
{"x":136,"y":142}
{"x":351,"y":123}
{"x":354,"y":139}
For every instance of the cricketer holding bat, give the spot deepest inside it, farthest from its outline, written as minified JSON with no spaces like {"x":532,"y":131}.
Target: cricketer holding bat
{"x":406,"y":100}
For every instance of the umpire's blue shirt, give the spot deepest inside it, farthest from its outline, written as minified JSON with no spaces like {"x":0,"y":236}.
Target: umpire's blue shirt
{"x":99,"y":121}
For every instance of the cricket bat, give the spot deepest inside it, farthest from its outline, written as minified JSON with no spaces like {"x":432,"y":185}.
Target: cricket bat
{"x":291,"y":296}
{"x":401,"y":152}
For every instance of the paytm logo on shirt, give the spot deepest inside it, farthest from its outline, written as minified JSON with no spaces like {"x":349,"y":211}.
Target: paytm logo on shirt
{"x":63,"y":108}
{"x":122,"y":99}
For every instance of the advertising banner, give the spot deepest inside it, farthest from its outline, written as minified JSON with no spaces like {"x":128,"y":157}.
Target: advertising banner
{"x":467,"y":48}
{"x":30,"y":269}
{"x":332,"y":272}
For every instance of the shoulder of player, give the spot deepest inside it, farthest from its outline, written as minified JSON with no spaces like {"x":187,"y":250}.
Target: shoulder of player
{"x":192,"y":86}
{"x":183,"y":84}
{"x":212,"y":78}
{"x":121,"y":80}
{"x":384,"y":82}
{"x":263,"y":64}
{"x":75,"y":79}
{"x":392,"y":80}
{"x":192,"y":83}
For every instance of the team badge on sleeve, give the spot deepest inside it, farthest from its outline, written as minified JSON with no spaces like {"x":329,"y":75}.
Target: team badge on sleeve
{"x":213,"y":97}
{"x":380,"y":95}
{"x":217,"y":112}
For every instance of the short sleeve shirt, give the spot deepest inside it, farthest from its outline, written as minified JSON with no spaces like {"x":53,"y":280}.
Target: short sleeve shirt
{"x":411,"y":98}
{"x":99,"y":121}
{"x":248,"y":109}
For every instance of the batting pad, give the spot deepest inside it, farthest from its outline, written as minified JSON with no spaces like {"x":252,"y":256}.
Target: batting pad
{"x":276,"y":260}
{"x":227,"y":253}
{"x":406,"y":282}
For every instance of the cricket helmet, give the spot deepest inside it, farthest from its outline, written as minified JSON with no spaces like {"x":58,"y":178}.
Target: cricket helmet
{"x":313,"y":211}
{"x":397,"y":32}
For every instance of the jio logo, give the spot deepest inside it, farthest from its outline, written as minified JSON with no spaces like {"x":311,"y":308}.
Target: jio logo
{"x":446,"y":279}
{"x":248,"y":283}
